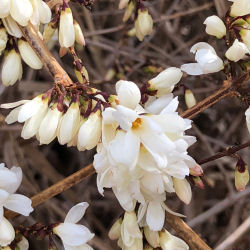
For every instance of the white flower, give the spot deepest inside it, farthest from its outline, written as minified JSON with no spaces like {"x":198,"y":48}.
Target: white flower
{"x":48,"y":127}
{"x":69,"y":124}
{"x":166,"y":80}
{"x":240,"y":8}
{"x":115,"y":230}
{"x":247,"y":114}
{"x":10,"y":180}
{"x":78,"y":34}
{"x":3,"y":39}
{"x":169,"y":241}
{"x":215,"y":26}
{"x":12,"y":68}
{"x":143,"y":24}
{"x":207,"y":60}
{"x":41,"y":12}
{"x":12,"y":27}
{"x":29,"y":55}
{"x":130,"y":232}
{"x":152,"y":237}
{"x":74,"y":236}
{"x":128,"y":94}
{"x":183,"y":189}
{"x":237,"y":51}
{"x":21,"y":11}
{"x":66,"y":28}
{"x":90,"y":132}
{"x":7,"y":232}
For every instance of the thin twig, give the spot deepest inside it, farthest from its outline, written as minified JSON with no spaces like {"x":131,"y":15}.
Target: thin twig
{"x":227,"y":152}
{"x":235,"y":236}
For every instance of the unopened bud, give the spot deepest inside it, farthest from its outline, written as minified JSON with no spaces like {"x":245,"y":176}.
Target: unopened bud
{"x":196,"y":170}
{"x":198,"y":182}
{"x":143,"y":24}
{"x":66,"y":28}
{"x":7,"y":232}
{"x":183,"y":189}
{"x":152,"y":237}
{"x":115,"y":230}
{"x":237,"y":51}
{"x":240,"y":8}
{"x":78,"y":33}
{"x":110,"y":74}
{"x":189,"y":98}
{"x":245,"y":36}
{"x":79,"y":75}
{"x":241,"y":175}
{"x":49,"y":31}
{"x":131,"y":32}
{"x":129,"y":11}
{"x":215,"y":26}
{"x":29,"y":55}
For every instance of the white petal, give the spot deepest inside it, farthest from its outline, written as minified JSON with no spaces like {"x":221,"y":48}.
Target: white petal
{"x":155,"y":216}
{"x":44,"y":12}
{"x":76,"y":213}
{"x":13,"y":116}
{"x":12,"y":27}
{"x":73,"y":234}
{"x":19,"y":204}
{"x":124,"y":148}
{"x":125,"y":199}
{"x":7,"y":232}
{"x":171,"y":107}
{"x":202,"y":45}
{"x":193,"y":69}
{"x":13,"y":104}
{"x":4,"y":8}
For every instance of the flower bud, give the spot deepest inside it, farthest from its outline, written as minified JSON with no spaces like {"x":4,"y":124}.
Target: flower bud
{"x":245,"y":36}
{"x":4,"y":8}
{"x":7,"y":232}
{"x":198,"y":182}
{"x":241,"y":175}
{"x":129,"y":11}
{"x":90,"y":132}
{"x":78,"y":34}
{"x":115,"y":230}
{"x":131,"y":32}
{"x":66,"y":28}
{"x":166,"y":80}
{"x":237,"y":51}
{"x":152,"y":237}
{"x":130,"y":230}
{"x":240,"y":8}
{"x":23,"y":244}
{"x":21,"y":11}
{"x":189,"y":98}
{"x":69,"y":124}
{"x":128,"y":94}
{"x":12,"y":27}
{"x":29,"y":55}
{"x":196,"y":170}
{"x":12,"y":68}
{"x":44,"y":12}
{"x":215,"y":26}
{"x":183,"y":189}
{"x":169,"y":241}
{"x":143,"y":24}
{"x":49,"y":31}
{"x":123,"y":4}
{"x":3,"y":39}
{"x":49,"y":125}
{"x":31,"y":126}
{"x":79,"y":74}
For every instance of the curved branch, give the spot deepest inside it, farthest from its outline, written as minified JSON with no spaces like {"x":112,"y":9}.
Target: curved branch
{"x":49,"y":62}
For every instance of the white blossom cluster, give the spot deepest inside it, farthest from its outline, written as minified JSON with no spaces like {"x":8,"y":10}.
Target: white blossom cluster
{"x":10,"y":180}
{"x":12,"y":14}
{"x":143,"y":153}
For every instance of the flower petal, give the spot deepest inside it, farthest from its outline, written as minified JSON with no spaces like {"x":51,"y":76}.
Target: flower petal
{"x":76,"y":213}
{"x":155,"y":216}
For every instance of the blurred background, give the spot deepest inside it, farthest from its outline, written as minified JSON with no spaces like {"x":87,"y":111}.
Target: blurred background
{"x":110,"y":52}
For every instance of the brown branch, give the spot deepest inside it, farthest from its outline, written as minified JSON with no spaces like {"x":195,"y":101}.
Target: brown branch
{"x":186,"y":233}
{"x":227,"y":152}
{"x":58,"y":188}
{"x":224,"y":91}
{"x":50,"y":63}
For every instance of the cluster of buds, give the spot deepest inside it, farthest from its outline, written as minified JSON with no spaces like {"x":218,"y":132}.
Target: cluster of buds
{"x":131,"y":236}
{"x":69,"y":114}
{"x":69,"y":29}
{"x":143,"y":20}
{"x":238,"y":24}
{"x":10,"y":180}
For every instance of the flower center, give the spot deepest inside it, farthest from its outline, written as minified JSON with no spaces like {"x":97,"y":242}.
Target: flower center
{"x":137,"y":123}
